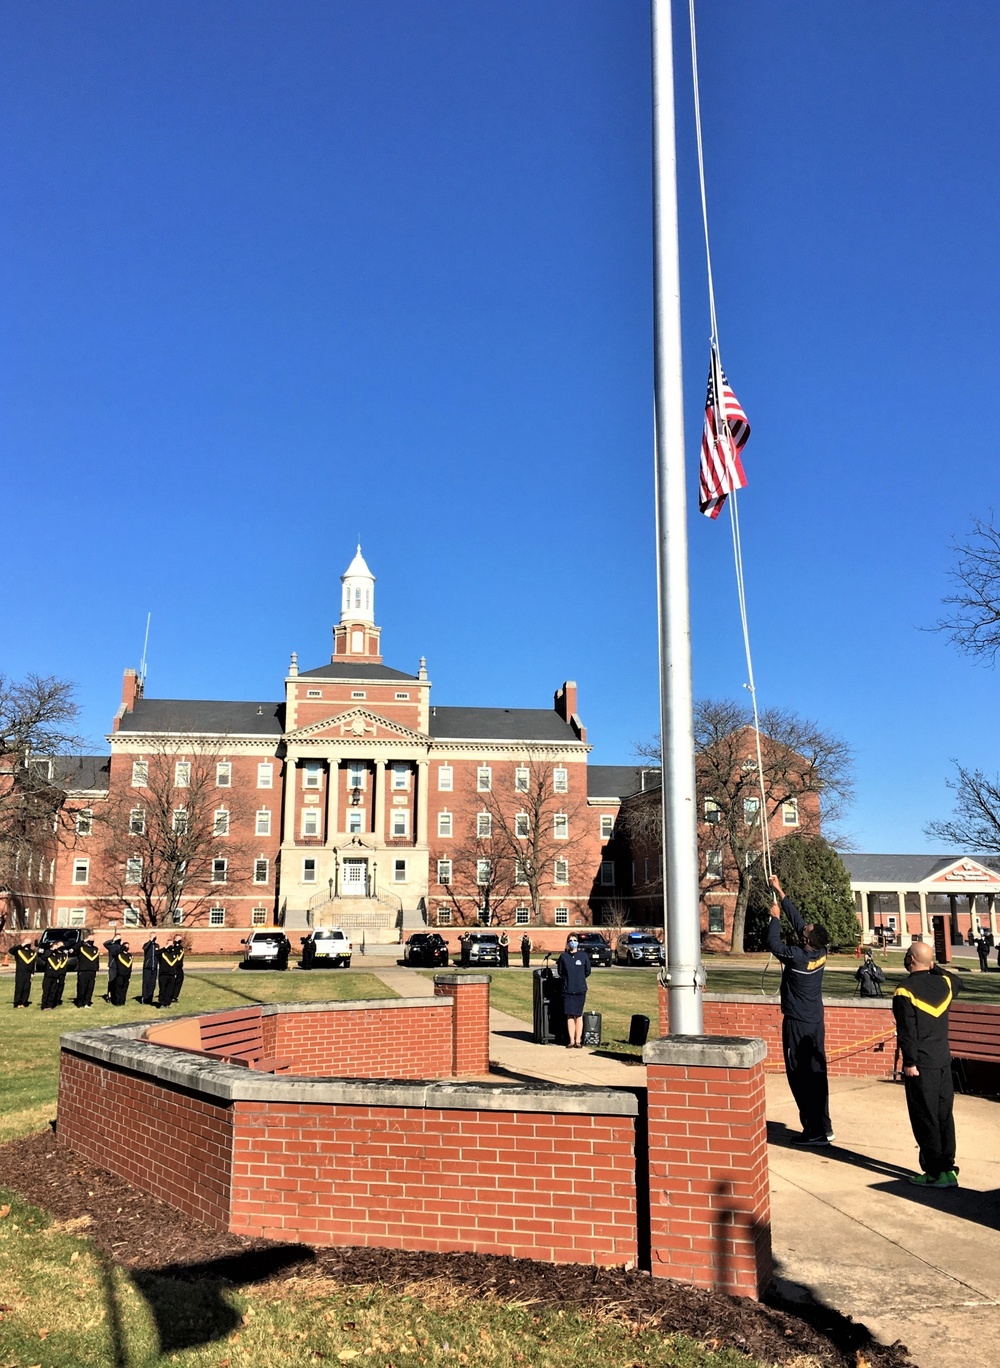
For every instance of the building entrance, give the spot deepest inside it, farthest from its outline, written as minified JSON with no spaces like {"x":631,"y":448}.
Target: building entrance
{"x":355,"y":882}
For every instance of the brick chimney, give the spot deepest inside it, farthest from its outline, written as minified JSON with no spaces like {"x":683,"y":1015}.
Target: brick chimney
{"x":131,"y":693}
{"x":564,"y":702}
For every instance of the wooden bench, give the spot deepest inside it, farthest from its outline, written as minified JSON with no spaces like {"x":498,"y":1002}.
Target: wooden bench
{"x":974,"y":1031}
{"x":235,"y":1037}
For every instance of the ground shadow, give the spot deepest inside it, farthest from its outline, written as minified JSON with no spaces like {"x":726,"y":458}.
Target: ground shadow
{"x":188,"y":1300}
{"x":850,"y":1336}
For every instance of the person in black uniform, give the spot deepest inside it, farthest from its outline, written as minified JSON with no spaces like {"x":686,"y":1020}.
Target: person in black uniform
{"x":178,"y":968}
{"x":504,"y":950}
{"x":870,"y":978}
{"x":573,"y":969}
{"x":123,"y":972}
{"x":54,"y":977}
{"x":802,"y":1025}
{"x":170,"y":959}
{"x":87,"y":964}
{"x":113,"y":946}
{"x":150,"y":968}
{"x":25,"y":960}
{"x":526,"y":950}
{"x":920,"y":1005}
{"x":983,"y":951}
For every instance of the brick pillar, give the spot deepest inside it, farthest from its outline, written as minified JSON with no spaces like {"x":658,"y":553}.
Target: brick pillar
{"x":709,"y":1201}
{"x":470,"y":994}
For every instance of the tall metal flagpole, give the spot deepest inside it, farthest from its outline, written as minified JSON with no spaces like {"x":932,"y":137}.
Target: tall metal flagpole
{"x":682,"y":921}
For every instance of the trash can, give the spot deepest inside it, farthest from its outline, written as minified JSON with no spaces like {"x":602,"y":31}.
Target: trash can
{"x":638,"y":1030}
{"x":547,"y":1020}
{"x":591,"y":1028}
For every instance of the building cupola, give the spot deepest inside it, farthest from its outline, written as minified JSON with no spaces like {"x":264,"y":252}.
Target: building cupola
{"x":356,"y":634}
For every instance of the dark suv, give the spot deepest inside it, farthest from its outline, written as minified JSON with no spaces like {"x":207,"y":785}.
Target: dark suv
{"x":639,"y":947}
{"x":69,"y":937}
{"x":595,"y":947}
{"x":481,"y":947}
{"x":425,"y":947}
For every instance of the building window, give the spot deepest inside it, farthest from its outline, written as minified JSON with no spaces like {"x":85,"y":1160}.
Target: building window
{"x":130,"y":917}
{"x":560,"y":826}
{"x":716,"y":919}
{"x":310,"y":821}
{"x":446,"y":778}
{"x":262,"y":826}
{"x":81,"y":871}
{"x":483,"y":872}
{"x":444,"y":872}
{"x":560,"y":874}
{"x":260,"y":871}
{"x":356,"y":771}
{"x":180,"y":821}
{"x":265,"y":774}
{"x":308,"y":871}
{"x":221,"y":827}
{"x":402,"y":697}
{"x":522,"y":826}
{"x":224,"y":774}
{"x":607,"y":873}
{"x":751,"y":807}
{"x":400,"y":775}
{"x":522,"y":777}
{"x":790,"y":812}
{"x":358,"y":693}
{"x":607,"y":828}
{"x":520,"y":871}
{"x":216,"y":916}
{"x":562,"y":916}
{"x":560,"y":780}
{"x":77,"y":916}
{"x":220,"y":870}
{"x":137,"y":821}
{"x":182,"y":774}
{"x":355,"y":821}
{"x":713,"y":864}
{"x":84,"y":822}
{"x":312,"y":774}
{"x":444,"y":916}
{"x":484,"y":779}
{"x":484,"y":825}
{"x":522,"y":916}
{"x":400,"y":824}
{"x":399,"y":871}
{"x":314,"y":693}
{"x":133,"y":869}
{"x":258,"y":917}
{"x":713,"y":813}
{"x":140,"y":773}
{"x":444,"y":824}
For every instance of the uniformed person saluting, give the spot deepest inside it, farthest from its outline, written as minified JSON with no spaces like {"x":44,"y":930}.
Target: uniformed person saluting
{"x":87,"y":964}
{"x":150,"y":968}
{"x":171,"y":957}
{"x":119,"y":989}
{"x":54,"y":977}
{"x":25,"y":960}
{"x":179,"y":967}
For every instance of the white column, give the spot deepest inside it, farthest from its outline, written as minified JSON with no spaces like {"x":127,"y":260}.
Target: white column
{"x":421,"y":804}
{"x":925,"y":926}
{"x":904,"y":929}
{"x":379,"y":802}
{"x":993,"y":916}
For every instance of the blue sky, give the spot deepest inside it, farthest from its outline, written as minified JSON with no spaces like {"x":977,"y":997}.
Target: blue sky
{"x":276,"y":277}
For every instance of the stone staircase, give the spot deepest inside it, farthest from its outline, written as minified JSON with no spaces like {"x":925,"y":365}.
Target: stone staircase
{"x":374,"y":919}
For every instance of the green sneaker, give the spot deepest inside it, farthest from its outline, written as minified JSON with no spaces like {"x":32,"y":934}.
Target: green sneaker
{"x":952,"y":1176}
{"x":934,"y":1180}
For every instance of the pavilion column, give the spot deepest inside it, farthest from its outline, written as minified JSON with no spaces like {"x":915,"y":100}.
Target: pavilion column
{"x":993,"y":917}
{"x":925,"y":926}
{"x":379,"y":802}
{"x":333,"y":801}
{"x":423,"y":771}
{"x":904,"y":929}
{"x":972,"y":914}
{"x":863,"y":913}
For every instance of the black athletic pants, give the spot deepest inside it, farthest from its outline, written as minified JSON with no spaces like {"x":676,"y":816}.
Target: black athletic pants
{"x":805,"y":1068}
{"x":85,"y":989}
{"x":168,"y":987}
{"x":930,"y":1098}
{"x":52,"y":985}
{"x":119,"y":989}
{"x":22,"y":987}
{"x":148,"y":984}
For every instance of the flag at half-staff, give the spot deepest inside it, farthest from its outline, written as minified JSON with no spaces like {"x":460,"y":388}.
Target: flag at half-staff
{"x":724,"y":437}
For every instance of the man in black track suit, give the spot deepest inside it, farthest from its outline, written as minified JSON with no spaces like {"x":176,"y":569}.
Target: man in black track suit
{"x":171,"y":957}
{"x":123,"y":972}
{"x":150,"y":968}
{"x":178,"y":968}
{"x":920,"y":1005}
{"x":25,"y":960}
{"x":87,"y":964}
{"x":802,"y":1025}
{"x":54,"y":977}
{"x":113,"y":946}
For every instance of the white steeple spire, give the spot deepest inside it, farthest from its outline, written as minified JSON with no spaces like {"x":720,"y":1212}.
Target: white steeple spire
{"x":357,"y":600}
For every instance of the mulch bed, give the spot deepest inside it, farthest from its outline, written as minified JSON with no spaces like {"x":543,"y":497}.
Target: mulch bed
{"x":148,"y":1237}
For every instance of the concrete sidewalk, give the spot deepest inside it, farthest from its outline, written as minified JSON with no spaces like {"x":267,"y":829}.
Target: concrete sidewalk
{"x":848,"y":1229}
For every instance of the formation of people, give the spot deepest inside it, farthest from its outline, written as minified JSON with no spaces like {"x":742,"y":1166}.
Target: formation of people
{"x":162,"y":966}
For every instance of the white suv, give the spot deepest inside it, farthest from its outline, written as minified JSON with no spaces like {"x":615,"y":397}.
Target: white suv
{"x":264,"y":948}
{"x":326,"y":946}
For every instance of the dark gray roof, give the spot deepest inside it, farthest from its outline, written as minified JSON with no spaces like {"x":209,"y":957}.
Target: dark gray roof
{"x":204,"y":718}
{"x":499,"y":724}
{"x":82,"y":772}
{"x":337,"y":670}
{"x":612,"y":781}
{"x":910,"y":869}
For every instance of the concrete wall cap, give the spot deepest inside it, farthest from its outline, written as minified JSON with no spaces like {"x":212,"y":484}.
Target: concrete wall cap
{"x":463,"y":978}
{"x":706,"y":1052}
{"x":358,"y":1005}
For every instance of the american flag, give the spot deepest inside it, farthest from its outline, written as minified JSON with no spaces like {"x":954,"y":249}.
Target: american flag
{"x":724,"y":437}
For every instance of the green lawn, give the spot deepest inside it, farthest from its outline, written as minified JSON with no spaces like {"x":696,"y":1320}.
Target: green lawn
{"x":29,"y":1040}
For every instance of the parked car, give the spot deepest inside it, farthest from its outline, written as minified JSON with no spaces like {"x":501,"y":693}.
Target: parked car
{"x":69,"y":937}
{"x":425,"y":947}
{"x":595,"y":946}
{"x":639,"y":947}
{"x":325,"y":947}
{"x":481,"y":947}
{"x":266,"y":950}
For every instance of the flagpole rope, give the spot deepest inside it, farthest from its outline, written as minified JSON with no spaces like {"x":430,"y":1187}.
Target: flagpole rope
{"x":721,"y":421}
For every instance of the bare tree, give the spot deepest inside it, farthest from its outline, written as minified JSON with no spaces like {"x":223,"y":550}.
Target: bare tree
{"x":37,"y":729}
{"x":173,"y":844}
{"x":974,"y":624}
{"x":975,"y":824}
{"x":482,"y":882}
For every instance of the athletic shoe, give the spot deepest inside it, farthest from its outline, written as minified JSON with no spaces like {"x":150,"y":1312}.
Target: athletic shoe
{"x":830,"y":1136}
{"x":934,"y":1180}
{"x":952,"y":1176}
{"x":814,"y":1140}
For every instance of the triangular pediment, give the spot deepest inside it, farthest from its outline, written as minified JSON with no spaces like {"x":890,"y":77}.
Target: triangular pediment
{"x":358,"y":724}
{"x":966,"y":871}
